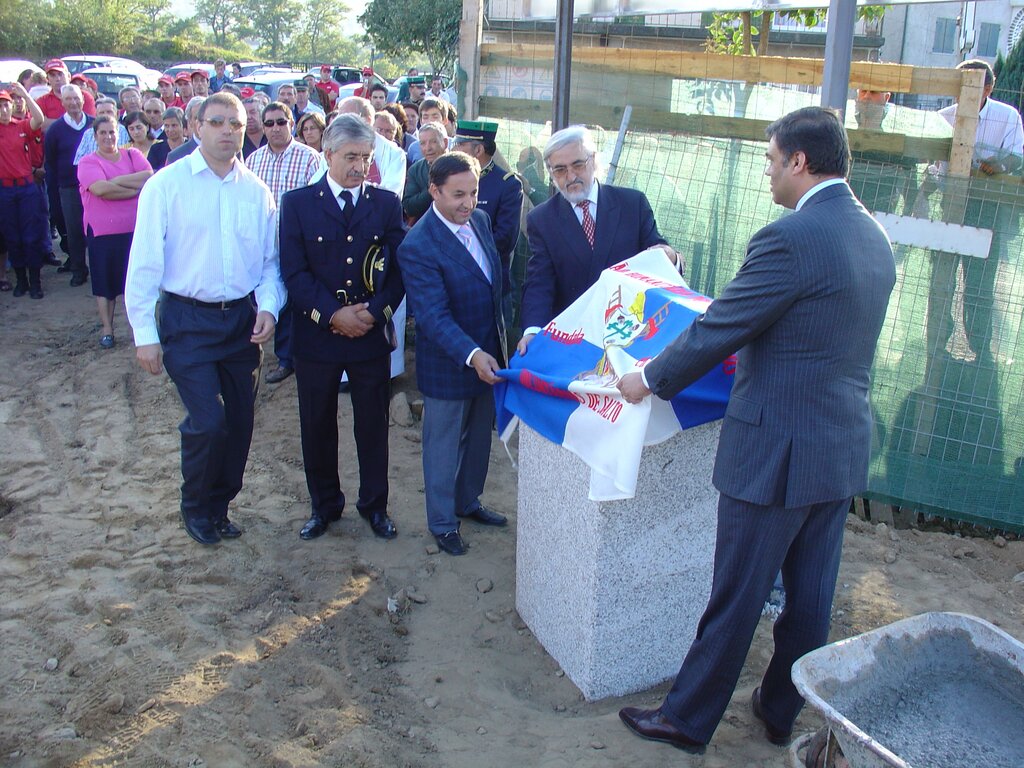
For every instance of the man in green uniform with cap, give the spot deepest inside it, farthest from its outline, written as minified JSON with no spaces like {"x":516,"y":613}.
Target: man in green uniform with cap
{"x":500,"y":194}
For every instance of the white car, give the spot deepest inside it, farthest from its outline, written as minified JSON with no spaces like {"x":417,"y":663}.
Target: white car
{"x":111,"y":80}
{"x":76,"y":64}
{"x":11,"y":68}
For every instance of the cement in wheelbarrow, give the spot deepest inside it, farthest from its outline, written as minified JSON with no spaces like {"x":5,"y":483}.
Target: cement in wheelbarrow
{"x":941,"y":693}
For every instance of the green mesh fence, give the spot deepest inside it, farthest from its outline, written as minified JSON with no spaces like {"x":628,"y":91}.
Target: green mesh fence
{"x":949,"y":370}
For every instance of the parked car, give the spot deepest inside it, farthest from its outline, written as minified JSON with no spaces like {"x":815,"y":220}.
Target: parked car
{"x":270,"y":69}
{"x":76,"y":64}
{"x":190,"y":67}
{"x":11,"y":68}
{"x":269,"y":84}
{"x":111,"y":80}
{"x":248,"y":67}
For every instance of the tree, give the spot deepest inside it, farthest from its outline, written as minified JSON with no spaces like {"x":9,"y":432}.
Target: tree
{"x":321,"y":20}
{"x":273,"y":22}
{"x":1010,"y":76}
{"x":223,"y":17}
{"x":429,"y":27}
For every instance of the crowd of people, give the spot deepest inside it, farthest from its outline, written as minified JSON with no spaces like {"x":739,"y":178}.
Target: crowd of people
{"x":310,"y":219}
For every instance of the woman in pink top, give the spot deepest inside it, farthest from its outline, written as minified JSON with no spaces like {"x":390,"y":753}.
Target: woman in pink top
{"x":110,"y":180}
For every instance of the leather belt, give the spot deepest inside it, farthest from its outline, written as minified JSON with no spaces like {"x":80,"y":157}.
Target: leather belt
{"x":21,"y":181}
{"x":347,"y":297}
{"x":206,"y":304}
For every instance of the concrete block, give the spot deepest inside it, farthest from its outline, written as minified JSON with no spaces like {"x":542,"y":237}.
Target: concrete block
{"x":614,"y":590}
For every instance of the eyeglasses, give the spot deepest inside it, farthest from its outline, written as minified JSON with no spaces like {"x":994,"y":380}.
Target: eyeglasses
{"x":281,"y":121}
{"x":559,"y":171}
{"x":218,"y":122}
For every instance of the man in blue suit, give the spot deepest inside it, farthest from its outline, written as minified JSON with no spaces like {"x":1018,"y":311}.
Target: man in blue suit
{"x":584,"y":229}
{"x":453,"y":276}
{"x":804,"y":312}
{"x":501,"y":191}
{"x":338,"y":242}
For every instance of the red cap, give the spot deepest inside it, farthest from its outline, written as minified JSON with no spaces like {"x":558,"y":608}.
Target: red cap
{"x":246,"y":91}
{"x":201,"y":73}
{"x":166,"y":79}
{"x":79,"y":78}
{"x":183,"y":77}
{"x":325,"y":67}
{"x":92,"y":83}
{"x":55,"y":65}
{"x":367,"y":70}
{"x":5,"y":96}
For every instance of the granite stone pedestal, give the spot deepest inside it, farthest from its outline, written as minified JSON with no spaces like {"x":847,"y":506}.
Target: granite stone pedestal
{"x":613,"y":590}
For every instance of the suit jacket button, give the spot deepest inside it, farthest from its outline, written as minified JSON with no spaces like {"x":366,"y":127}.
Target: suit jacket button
{"x":375,"y":238}
{"x":348,"y":283}
{"x":349,"y":238}
{"x":319,"y":239}
{"x":348,"y":260}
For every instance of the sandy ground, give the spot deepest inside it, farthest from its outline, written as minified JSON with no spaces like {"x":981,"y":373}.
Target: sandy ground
{"x":270,"y":651}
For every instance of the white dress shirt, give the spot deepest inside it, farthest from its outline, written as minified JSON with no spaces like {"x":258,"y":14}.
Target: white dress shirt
{"x":337,"y":189}
{"x":999,"y":137}
{"x":204,"y":237}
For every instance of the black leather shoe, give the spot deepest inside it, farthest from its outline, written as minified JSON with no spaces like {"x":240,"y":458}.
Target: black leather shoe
{"x":49,"y":260}
{"x":451,"y":543}
{"x":314,"y":528}
{"x":652,"y":725}
{"x":382,"y":525}
{"x":279,"y":374}
{"x":20,"y":289}
{"x":773,"y":734}
{"x":64,"y":268}
{"x":484,"y":516}
{"x":79,"y":279}
{"x":201,"y":529}
{"x":35,"y":293}
{"x":227,"y":529}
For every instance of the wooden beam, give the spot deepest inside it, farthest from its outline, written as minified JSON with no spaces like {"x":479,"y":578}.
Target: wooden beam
{"x":896,"y":78}
{"x":646,"y":119}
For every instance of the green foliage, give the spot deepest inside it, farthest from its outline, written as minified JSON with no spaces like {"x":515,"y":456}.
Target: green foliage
{"x":1010,"y":77}
{"x":726,"y":33}
{"x":427,"y":27}
{"x":144,"y":30}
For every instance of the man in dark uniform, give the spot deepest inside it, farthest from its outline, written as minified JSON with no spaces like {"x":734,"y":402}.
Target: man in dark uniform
{"x":500,"y":195}
{"x":417,"y":89}
{"x":338,"y":243}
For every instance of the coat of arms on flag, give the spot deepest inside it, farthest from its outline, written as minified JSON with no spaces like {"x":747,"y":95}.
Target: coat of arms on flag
{"x":564,"y":387}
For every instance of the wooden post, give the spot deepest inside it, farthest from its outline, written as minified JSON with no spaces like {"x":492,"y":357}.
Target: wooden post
{"x":966,"y":126}
{"x":470,"y":37}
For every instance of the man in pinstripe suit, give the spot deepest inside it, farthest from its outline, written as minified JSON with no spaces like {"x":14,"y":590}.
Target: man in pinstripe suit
{"x":805,"y":311}
{"x":452,"y":276}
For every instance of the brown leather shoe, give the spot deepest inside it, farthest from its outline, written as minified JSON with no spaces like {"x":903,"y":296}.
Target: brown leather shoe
{"x":773,"y":734}
{"x":652,"y":725}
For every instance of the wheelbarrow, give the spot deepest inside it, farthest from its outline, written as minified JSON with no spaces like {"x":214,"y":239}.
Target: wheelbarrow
{"x":938,"y":690}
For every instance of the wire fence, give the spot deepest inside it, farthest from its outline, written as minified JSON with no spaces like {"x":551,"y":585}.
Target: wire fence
{"x":949,"y":370}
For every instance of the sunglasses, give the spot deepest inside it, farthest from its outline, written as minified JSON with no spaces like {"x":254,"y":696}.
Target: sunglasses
{"x":279,"y":122}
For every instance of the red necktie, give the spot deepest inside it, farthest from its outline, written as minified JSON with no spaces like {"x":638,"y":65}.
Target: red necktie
{"x":588,"y":221}
{"x":374,"y":174}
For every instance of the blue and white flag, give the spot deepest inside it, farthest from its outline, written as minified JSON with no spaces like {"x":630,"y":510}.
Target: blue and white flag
{"x":564,"y":387}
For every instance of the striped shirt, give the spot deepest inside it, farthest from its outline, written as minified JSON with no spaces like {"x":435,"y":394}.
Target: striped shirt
{"x":204,"y":237}
{"x":287,"y":170}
